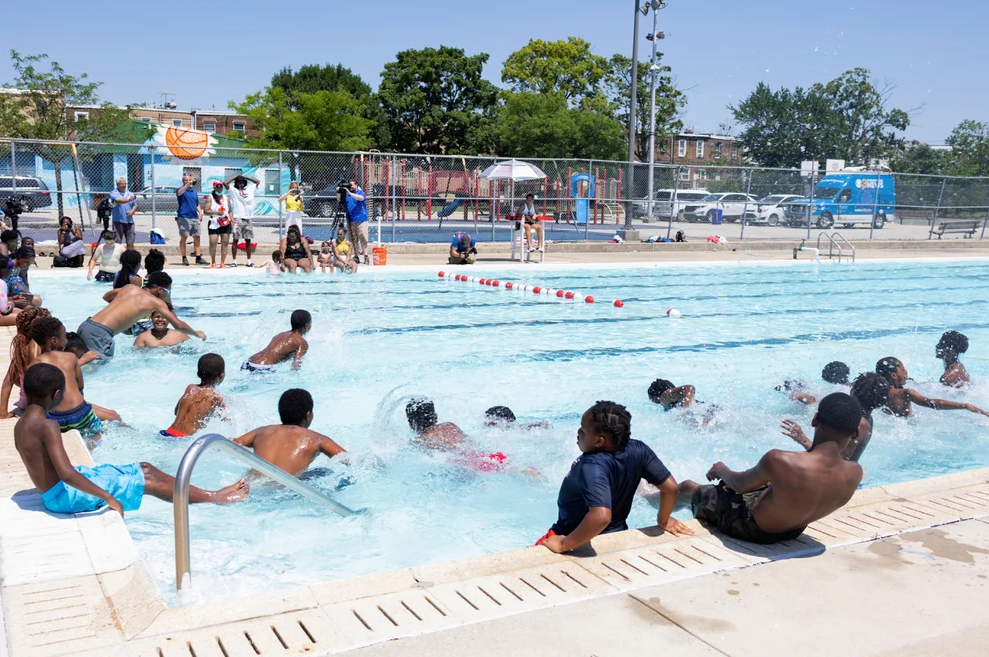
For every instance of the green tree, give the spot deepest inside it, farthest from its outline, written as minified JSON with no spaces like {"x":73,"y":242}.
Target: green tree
{"x":969,"y":143}
{"x":920,"y":158}
{"x":670,"y":101}
{"x":846,"y":118}
{"x":566,"y":67}
{"x":435,"y":101}
{"x":543,"y":125}
{"x":35,"y":108}
{"x":312,"y":78}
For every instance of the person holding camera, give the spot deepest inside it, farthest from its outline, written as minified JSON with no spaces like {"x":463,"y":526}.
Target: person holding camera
{"x":188,"y":219}
{"x":242,"y":213}
{"x":356,"y":201}
{"x":124,"y":207}
{"x":462,"y":249}
{"x":293,"y":206}
{"x":70,"y":244}
{"x":219,"y":227}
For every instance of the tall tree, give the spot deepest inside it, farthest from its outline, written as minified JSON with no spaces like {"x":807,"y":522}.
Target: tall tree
{"x":969,"y":143}
{"x":35,"y":108}
{"x":436,"y":101}
{"x":544,"y":125}
{"x":566,"y":67}
{"x":920,"y":158}
{"x":312,"y":78}
{"x":847,"y":118}
{"x":670,"y":101}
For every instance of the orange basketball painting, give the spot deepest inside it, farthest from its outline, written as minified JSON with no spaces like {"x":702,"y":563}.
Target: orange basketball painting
{"x":186,"y":144}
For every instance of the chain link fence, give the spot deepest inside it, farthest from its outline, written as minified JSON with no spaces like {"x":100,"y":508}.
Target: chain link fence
{"x":426,"y":199}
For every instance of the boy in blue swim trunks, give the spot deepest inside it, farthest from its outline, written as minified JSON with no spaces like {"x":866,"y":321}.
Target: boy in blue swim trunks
{"x":67,"y":489}
{"x":74,"y":412}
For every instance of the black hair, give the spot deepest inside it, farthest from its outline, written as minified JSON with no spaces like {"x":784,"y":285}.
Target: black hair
{"x":73,"y":342}
{"x":299,"y":319}
{"x":130,"y":263}
{"x":154,"y":261}
{"x":657,"y":388}
{"x":44,"y":329}
{"x":8,"y":235}
{"x":211,"y":367}
{"x":294,"y":405}
{"x":953,"y":342}
{"x":24,"y":253}
{"x":421,"y":414}
{"x":109,"y":235}
{"x":42,"y":380}
{"x":841,"y":412}
{"x":4,"y":262}
{"x":835,"y":372}
{"x":64,"y":218}
{"x":790,"y":385}
{"x":886,"y":366}
{"x":500,"y":413}
{"x":530,"y":194}
{"x":612,"y":420}
{"x":276,"y":256}
{"x":871,"y":391}
{"x":159,"y":279}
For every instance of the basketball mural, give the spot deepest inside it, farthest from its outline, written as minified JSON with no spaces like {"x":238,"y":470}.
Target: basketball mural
{"x":186,"y":143}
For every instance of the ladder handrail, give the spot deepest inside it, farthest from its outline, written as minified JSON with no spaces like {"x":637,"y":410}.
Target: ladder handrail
{"x":180,"y":497}
{"x":833,"y":242}
{"x":850,"y":245}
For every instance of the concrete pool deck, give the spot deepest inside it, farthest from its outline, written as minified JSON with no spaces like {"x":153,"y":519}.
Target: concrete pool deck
{"x":902,"y":570}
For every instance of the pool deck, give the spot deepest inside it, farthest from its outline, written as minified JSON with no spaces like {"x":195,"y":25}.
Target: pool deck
{"x":901,"y":570}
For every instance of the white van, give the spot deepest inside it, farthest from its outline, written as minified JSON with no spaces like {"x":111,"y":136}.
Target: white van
{"x":663,"y":205}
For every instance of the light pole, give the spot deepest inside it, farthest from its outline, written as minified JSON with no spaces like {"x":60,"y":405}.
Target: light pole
{"x":653,"y":37}
{"x":632,"y":107}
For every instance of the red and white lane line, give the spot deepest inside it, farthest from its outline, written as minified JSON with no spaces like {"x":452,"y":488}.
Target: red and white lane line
{"x":523,"y":287}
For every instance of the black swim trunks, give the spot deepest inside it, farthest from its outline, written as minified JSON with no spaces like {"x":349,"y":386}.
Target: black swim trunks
{"x":731,"y":513}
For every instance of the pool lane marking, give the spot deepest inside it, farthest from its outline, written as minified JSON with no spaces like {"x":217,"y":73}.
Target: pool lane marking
{"x":568,"y":295}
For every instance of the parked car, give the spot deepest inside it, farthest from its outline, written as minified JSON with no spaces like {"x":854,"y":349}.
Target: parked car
{"x":847,"y":199}
{"x":664,"y":206}
{"x":164,"y":199}
{"x":321,"y":202}
{"x":32,"y":191}
{"x":771,"y":210}
{"x":732,"y":205}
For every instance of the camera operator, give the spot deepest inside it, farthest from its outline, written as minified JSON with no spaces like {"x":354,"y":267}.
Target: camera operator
{"x":124,"y":207}
{"x":356,"y":201}
{"x":188,"y":219}
{"x":462,"y":249}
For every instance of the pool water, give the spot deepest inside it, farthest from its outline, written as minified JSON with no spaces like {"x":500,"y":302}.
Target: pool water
{"x":381,"y":337}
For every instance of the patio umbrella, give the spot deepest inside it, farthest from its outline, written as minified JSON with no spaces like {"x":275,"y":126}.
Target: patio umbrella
{"x":513,"y":170}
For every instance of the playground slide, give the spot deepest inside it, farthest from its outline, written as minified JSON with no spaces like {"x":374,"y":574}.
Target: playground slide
{"x":448,"y":210}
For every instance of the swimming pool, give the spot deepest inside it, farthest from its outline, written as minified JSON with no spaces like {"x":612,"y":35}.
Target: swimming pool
{"x":382,"y":336}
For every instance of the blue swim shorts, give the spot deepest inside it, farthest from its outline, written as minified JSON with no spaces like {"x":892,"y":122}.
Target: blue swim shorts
{"x":124,"y":482}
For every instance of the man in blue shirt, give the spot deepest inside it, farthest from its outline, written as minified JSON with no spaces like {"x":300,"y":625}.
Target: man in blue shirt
{"x":462,"y":249}
{"x":187,"y":218}
{"x":596,"y":496}
{"x":357,"y":215}
{"x":124,"y":206}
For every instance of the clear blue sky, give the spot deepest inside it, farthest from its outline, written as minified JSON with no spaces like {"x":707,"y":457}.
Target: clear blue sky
{"x":208,"y":53}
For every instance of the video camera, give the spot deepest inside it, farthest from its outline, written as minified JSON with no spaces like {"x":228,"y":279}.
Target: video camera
{"x":13,"y":208}
{"x":343,"y":187}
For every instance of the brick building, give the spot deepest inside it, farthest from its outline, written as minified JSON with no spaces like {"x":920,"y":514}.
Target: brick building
{"x":221,"y":122}
{"x":689,"y":148}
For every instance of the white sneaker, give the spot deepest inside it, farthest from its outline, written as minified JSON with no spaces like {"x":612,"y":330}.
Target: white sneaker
{"x":232,"y":264}
{"x":250,"y":264}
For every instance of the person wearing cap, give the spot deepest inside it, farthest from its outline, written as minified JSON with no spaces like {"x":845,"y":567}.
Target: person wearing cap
{"x":16,"y":277}
{"x":463,"y":249}
{"x":217,"y":209}
{"x":124,"y":207}
{"x":242,"y":213}
{"x":188,"y":218}
{"x":107,"y":257}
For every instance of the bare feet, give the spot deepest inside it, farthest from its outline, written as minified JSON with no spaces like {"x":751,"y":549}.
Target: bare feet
{"x":233,"y":493}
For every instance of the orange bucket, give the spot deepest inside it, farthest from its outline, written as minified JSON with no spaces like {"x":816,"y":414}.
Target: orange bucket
{"x":379,"y":255}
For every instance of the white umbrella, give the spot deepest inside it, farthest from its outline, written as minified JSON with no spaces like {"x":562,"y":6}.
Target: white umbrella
{"x":513,"y":170}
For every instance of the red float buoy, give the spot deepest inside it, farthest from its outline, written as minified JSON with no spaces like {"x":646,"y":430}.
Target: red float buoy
{"x":559,"y":293}
{"x":441,"y":274}
{"x":537,"y":290}
{"x":619,"y":303}
{"x":589,"y":299}
{"x":496,"y":283}
{"x":569,"y":295}
{"x":509,"y":285}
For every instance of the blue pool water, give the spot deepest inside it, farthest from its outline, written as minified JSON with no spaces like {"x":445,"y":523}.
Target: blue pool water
{"x":380,"y":337}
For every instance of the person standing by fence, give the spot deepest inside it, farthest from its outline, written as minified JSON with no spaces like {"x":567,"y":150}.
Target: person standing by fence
{"x":357,"y":216}
{"x":124,"y":207}
{"x":187,"y":218}
{"x":219,"y":227}
{"x":293,"y":206}
{"x":242,"y":213}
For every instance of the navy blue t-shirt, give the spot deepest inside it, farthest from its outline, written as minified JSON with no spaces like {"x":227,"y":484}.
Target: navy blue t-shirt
{"x":609,"y":480}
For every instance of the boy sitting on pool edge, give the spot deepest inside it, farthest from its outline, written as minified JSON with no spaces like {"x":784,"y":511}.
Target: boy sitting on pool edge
{"x":596,"y":496}
{"x":67,"y":489}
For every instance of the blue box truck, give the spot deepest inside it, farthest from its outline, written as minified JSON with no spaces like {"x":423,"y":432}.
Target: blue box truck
{"x":847,"y":199}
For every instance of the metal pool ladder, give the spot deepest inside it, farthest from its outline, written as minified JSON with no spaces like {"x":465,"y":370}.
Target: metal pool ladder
{"x":833,"y":241}
{"x":183,"y":567}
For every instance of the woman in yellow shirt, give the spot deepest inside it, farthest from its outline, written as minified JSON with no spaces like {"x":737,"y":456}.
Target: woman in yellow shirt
{"x":343,"y":253}
{"x":293,"y":206}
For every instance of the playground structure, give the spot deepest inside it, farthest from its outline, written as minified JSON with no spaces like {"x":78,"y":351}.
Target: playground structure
{"x":414,"y":189}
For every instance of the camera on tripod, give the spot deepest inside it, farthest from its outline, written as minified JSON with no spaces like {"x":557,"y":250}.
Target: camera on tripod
{"x":13,"y":208}
{"x":343,"y":187}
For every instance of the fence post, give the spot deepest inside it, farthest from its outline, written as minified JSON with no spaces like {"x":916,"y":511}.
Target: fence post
{"x":13,"y":169}
{"x":984,"y":222}
{"x":745,"y":207}
{"x":673,"y":200}
{"x":154,"y":194}
{"x":810,"y":206}
{"x":281,"y":222}
{"x":875,"y":207}
{"x":937,"y":210}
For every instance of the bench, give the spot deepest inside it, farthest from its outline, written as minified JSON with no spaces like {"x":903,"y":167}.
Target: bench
{"x":910,"y":216}
{"x":965,"y":226}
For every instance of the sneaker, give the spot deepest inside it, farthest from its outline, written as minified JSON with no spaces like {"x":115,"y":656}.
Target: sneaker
{"x":232,"y":264}
{"x":199,"y":260}
{"x":250,"y":264}
{"x":185,"y":261}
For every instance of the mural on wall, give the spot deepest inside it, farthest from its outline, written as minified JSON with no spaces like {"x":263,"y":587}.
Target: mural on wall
{"x":185,"y":143}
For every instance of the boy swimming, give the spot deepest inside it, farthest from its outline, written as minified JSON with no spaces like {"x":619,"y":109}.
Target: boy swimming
{"x":596,"y":496}
{"x":901,"y":399}
{"x":67,"y":489}
{"x":74,"y":412}
{"x":198,"y":402}
{"x":290,"y":445}
{"x":951,"y":345}
{"x":283,"y":346}
{"x":159,"y":335}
